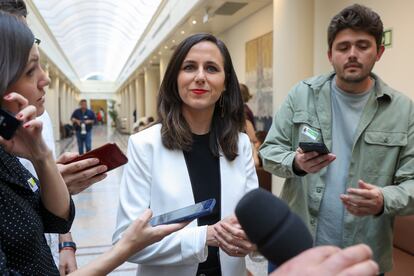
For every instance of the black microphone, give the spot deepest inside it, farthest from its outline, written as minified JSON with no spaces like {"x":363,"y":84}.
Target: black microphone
{"x":268,"y":222}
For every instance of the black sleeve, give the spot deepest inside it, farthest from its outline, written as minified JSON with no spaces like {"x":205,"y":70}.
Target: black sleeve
{"x":4,"y":270}
{"x":55,"y":224}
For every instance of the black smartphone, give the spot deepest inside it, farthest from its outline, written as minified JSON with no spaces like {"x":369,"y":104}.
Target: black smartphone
{"x":314,"y":146}
{"x":185,"y":214}
{"x":8,"y":124}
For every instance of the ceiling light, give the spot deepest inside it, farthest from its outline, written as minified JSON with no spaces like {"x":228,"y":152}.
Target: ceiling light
{"x":194,"y":22}
{"x":159,"y":52}
{"x":182,"y":32}
{"x":165,"y":47}
{"x":173,"y":41}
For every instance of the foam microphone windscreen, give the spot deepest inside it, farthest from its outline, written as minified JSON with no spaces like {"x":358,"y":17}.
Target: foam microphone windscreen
{"x":268,"y":222}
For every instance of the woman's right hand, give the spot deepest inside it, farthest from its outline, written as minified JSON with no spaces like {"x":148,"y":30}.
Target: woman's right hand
{"x":231,"y":238}
{"x":27,"y":142}
{"x":140,"y":234}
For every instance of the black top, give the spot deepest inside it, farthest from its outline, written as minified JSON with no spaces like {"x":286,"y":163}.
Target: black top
{"x":204,"y":171}
{"x":24,"y":220}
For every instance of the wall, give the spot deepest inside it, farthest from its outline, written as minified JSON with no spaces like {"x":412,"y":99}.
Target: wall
{"x":236,"y":37}
{"x":395,"y":66}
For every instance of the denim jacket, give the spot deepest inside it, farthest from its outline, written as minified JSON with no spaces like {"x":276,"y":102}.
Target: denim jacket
{"x":382,"y":155}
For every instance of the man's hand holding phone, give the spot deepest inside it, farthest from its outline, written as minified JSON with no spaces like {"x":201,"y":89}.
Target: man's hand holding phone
{"x":311,"y":162}
{"x":81,"y":171}
{"x":81,"y":174}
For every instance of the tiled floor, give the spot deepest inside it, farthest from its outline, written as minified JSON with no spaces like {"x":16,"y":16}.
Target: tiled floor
{"x":96,"y":208}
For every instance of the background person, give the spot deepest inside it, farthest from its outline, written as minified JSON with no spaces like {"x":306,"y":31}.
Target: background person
{"x":196,"y":151}
{"x":83,"y":120}
{"x":250,"y":126}
{"x":355,"y":198}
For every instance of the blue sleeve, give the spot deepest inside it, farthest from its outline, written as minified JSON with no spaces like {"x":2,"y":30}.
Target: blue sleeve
{"x":92,"y":115}
{"x":74,"y":115}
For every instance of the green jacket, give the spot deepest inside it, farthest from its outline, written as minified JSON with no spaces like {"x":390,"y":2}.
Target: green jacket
{"x":382,"y":154}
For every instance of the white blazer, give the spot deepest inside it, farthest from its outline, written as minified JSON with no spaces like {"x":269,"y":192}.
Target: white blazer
{"x":157,"y":178}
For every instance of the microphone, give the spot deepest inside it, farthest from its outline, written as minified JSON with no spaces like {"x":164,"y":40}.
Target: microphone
{"x":268,"y":222}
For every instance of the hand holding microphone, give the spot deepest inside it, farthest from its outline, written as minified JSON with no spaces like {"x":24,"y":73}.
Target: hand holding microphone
{"x":278,"y":233}
{"x":281,"y":235}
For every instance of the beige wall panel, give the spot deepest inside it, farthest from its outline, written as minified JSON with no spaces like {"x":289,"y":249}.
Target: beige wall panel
{"x":250,"y":28}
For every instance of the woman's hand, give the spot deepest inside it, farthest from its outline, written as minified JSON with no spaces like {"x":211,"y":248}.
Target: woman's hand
{"x":27,"y":142}
{"x":231,"y":237}
{"x":140,"y":234}
{"x":137,"y":236}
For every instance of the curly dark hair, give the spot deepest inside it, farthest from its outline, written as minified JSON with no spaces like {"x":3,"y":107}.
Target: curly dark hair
{"x":225,"y":128}
{"x":356,"y":17}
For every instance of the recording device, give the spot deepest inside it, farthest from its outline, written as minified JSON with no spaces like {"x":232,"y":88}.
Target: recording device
{"x":268,"y":222}
{"x":109,"y":155}
{"x":8,"y":124}
{"x":185,"y":214}
{"x":314,"y":146}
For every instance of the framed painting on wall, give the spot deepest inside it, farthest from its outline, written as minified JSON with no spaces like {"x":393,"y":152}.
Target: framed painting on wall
{"x":259,"y":79}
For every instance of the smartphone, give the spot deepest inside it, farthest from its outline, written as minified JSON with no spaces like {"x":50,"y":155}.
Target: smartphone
{"x":313,"y":146}
{"x":8,"y":124}
{"x":108,"y":154}
{"x":185,"y":214}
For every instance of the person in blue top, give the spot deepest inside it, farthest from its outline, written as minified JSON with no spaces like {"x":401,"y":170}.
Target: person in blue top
{"x":83,"y":120}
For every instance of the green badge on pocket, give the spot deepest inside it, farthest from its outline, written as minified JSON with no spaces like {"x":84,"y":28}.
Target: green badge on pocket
{"x":311,"y":133}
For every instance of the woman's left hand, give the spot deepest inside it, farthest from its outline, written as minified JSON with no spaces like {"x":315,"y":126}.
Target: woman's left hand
{"x":27,"y":142}
{"x":231,"y":237}
{"x":141,"y":234}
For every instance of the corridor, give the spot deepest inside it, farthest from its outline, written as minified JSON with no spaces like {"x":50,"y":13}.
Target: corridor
{"x":96,"y":207}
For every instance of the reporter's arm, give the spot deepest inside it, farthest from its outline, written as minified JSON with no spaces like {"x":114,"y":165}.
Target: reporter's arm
{"x":138,"y":235}
{"x":330,"y":260}
{"x":54,"y":194}
{"x":28,"y":143}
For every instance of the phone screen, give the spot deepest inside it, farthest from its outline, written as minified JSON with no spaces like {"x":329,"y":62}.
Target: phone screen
{"x":185,"y":214}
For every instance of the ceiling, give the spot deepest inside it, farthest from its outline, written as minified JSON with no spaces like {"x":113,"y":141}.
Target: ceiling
{"x":110,"y":41}
{"x":97,"y":36}
{"x":213,"y":16}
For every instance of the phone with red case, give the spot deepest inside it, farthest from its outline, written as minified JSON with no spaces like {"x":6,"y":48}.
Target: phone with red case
{"x":108,"y":154}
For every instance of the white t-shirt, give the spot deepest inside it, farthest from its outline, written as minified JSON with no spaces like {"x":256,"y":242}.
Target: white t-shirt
{"x":47,"y":133}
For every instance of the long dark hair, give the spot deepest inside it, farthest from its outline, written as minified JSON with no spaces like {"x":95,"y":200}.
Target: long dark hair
{"x":228,"y":116}
{"x":16,"y":41}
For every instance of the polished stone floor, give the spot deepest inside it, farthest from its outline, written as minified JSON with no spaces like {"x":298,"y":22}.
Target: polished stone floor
{"x":96,"y":208}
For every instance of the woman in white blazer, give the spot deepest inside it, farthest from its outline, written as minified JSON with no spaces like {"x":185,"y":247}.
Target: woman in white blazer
{"x":195,"y":151}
